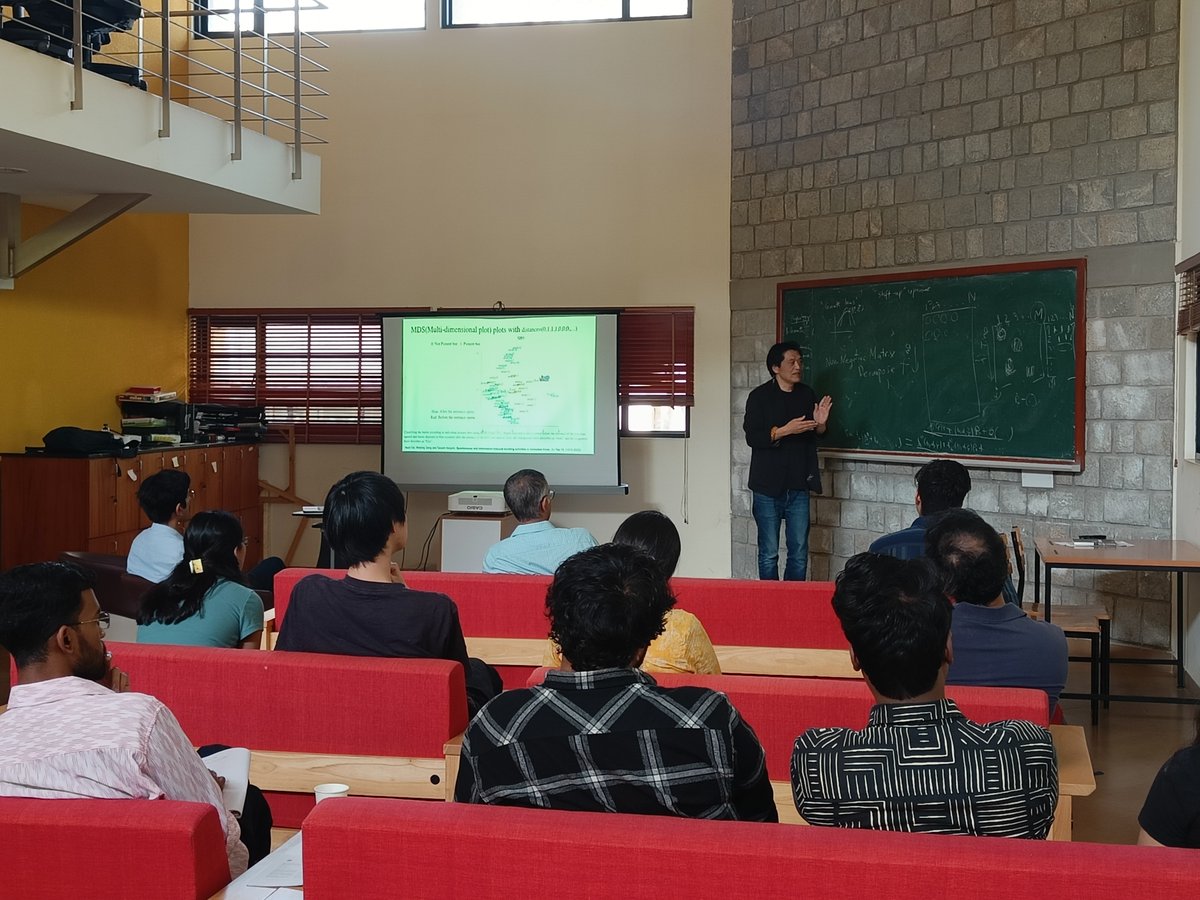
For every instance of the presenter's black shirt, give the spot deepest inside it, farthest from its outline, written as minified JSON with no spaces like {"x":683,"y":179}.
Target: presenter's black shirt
{"x":790,"y":463}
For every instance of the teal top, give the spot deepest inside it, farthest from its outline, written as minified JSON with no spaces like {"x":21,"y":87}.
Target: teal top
{"x":228,"y":615}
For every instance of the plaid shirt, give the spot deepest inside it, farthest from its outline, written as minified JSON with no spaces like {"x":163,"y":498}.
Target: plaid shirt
{"x":926,"y":767}
{"x":614,"y":741}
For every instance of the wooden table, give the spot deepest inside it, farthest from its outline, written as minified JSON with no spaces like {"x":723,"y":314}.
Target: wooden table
{"x":1180,"y":557}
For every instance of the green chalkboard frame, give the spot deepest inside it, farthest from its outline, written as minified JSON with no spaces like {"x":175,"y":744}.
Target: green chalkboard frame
{"x":1077,"y":386}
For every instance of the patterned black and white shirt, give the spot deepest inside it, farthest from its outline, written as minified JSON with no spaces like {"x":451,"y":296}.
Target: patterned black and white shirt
{"x":927,"y":767}
{"x":612,"y":740}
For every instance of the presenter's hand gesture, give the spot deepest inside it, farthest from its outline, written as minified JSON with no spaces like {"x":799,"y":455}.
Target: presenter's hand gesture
{"x":798,"y":425}
{"x":397,"y":574}
{"x":821,"y":412}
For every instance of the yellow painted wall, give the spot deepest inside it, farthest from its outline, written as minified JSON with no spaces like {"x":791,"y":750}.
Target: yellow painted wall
{"x":107,"y":312}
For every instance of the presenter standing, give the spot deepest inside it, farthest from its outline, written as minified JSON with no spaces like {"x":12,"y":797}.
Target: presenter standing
{"x":783,"y":419}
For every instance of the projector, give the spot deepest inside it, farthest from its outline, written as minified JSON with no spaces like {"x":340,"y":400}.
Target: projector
{"x":477,"y":502}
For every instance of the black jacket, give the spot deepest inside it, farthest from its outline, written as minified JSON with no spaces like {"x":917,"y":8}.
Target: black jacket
{"x":790,"y":463}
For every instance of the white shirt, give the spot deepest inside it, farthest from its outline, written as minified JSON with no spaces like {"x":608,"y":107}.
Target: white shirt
{"x":70,"y":738}
{"x":155,"y":552}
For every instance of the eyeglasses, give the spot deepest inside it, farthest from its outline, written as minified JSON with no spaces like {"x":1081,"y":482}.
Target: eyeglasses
{"x":549,"y":495}
{"x":101,"y":620}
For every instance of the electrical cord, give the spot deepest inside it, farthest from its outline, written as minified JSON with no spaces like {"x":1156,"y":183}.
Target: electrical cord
{"x":424,"y":561}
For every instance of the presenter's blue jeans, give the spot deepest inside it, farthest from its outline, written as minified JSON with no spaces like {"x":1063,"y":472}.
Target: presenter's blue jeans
{"x":791,"y":510}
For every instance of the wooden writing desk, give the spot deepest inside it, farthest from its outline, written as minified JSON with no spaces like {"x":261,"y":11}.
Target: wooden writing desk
{"x":1180,"y":557}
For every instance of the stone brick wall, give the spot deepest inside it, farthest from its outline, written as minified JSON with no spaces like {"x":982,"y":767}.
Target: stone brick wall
{"x":872,"y":135}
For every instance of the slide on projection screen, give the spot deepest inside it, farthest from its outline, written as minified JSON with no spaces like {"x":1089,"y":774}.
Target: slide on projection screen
{"x":468,"y":399}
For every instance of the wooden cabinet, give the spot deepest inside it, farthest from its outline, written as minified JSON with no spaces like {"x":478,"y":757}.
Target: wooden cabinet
{"x":49,"y":505}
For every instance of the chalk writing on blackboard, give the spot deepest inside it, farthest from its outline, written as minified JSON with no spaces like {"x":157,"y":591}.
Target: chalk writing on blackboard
{"x":986,"y":363}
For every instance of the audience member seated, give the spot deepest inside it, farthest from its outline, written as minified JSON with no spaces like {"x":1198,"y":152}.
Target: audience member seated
{"x":995,"y":643}
{"x":684,"y":645}
{"x":942,"y":484}
{"x":204,"y":602}
{"x":536,"y":546}
{"x":600,"y":735}
{"x":157,"y":550}
{"x":371,"y":612}
{"x":71,"y":730}
{"x":920,"y":764}
{"x":1170,"y":817}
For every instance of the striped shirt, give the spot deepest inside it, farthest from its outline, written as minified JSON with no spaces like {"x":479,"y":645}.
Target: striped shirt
{"x":68,"y":738}
{"x":614,"y":741}
{"x":927,"y":767}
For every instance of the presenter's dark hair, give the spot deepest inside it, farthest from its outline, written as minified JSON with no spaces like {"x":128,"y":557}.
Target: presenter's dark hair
{"x":655,"y":535}
{"x":212,"y":537}
{"x":35,"y":601}
{"x":970,"y":556}
{"x":897,"y":619}
{"x":775,"y":355}
{"x":360,"y":512}
{"x":523,"y":492}
{"x":605,"y":604}
{"x":162,"y":492}
{"x":943,"y":484}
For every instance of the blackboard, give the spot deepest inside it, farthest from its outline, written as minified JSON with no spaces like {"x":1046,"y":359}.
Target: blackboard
{"x":982,"y":363}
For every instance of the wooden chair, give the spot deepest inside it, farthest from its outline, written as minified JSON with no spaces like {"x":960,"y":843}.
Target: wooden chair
{"x":1091,"y":623}
{"x":1018,"y":547}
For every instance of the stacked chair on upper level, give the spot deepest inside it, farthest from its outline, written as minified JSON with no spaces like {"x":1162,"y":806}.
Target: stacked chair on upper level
{"x":47,"y":26}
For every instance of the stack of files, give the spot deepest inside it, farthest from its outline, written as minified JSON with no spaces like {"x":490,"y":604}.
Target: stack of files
{"x":146,"y":394}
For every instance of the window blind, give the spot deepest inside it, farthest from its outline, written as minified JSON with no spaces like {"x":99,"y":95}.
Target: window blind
{"x":1188,"y":274}
{"x":317,"y":370}
{"x":321,"y":370}
{"x":656,"y":356}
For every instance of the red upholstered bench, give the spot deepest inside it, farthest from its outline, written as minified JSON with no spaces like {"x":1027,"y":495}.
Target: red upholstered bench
{"x":110,"y":849}
{"x":379,"y":725}
{"x":377,"y":849}
{"x":757,"y":627}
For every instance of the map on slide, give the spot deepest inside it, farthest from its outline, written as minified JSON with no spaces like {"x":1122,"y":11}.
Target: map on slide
{"x":519,"y":385}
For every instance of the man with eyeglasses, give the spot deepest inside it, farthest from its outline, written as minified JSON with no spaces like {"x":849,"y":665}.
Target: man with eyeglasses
{"x":71,"y":729}
{"x":536,"y":546}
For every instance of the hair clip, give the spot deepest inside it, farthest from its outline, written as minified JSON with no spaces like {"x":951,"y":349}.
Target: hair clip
{"x":197,"y":566}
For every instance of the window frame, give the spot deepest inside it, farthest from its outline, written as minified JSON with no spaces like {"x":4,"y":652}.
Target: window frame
{"x":447,"y":14}
{"x":258,"y":16}
{"x":368,"y":393}
{"x":624,"y":431}
{"x":677,"y":347}
{"x":670,"y":381}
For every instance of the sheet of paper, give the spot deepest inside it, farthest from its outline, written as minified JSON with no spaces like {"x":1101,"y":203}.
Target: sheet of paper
{"x":237,"y":891}
{"x":234,"y":766}
{"x":283,"y":868}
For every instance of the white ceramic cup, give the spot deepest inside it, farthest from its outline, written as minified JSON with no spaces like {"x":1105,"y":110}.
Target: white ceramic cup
{"x":325,"y":791}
